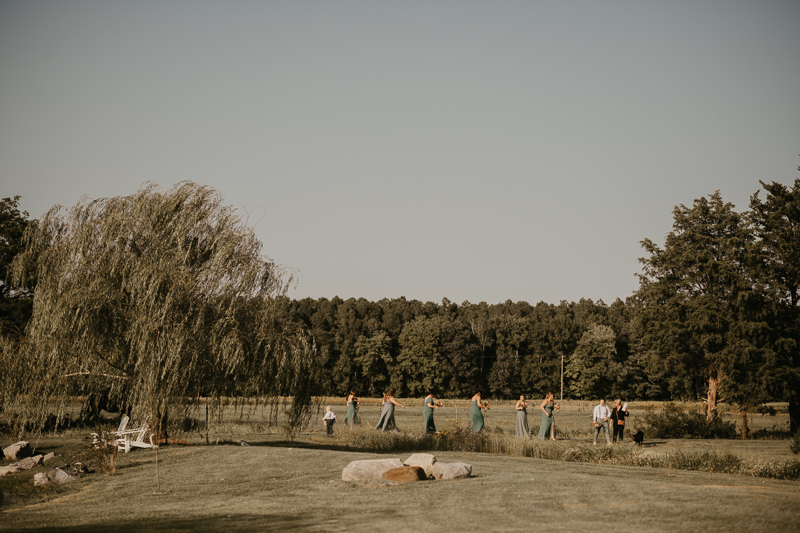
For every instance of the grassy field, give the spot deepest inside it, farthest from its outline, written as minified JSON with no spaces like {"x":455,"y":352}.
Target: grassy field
{"x":276,"y":485}
{"x":573,"y":421}
{"x":283,"y":487}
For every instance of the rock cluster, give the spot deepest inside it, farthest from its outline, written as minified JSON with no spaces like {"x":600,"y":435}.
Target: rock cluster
{"x":390,"y":472}
{"x":60,"y":474}
{"x":20,"y":466}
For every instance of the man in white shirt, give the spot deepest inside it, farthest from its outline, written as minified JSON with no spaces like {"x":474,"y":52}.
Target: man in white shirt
{"x":600,"y":420}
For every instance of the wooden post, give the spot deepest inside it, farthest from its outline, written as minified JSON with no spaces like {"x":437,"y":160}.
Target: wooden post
{"x":562,"y":379}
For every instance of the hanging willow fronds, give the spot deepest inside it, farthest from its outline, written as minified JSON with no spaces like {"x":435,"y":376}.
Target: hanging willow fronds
{"x":168,"y":290}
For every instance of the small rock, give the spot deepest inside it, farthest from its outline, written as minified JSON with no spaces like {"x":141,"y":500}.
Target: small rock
{"x":48,"y":457}
{"x":51,"y":474}
{"x":451,"y":470}
{"x":245,"y":443}
{"x":10,"y":469}
{"x":40,"y":479}
{"x":63,"y":477}
{"x":369,"y":469}
{"x":405,"y":474}
{"x":19,"y":450}
{"x":29,"y":462}
{"x":423,"y":460}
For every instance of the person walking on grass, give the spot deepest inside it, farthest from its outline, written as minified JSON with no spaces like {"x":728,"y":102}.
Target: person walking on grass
{"x":427,"y":413}
{"x":600,"y":418}
{"x":476,"y":415}
{"x":618,"y":415}
{"x":547,"y":428}
{"x":351,"y":419}
{"x":386,"y":421}
{"x":523,"y":430}
{"x":329,"y":420}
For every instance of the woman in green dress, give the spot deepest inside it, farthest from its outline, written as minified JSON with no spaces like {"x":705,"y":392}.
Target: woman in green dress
{"x":523,"y":430}
{"x":386,"y":421}
{"x":427,"y":412}
{"x":548,"y":425}
{"x":351,"y":419}
{"x":477,"y":414}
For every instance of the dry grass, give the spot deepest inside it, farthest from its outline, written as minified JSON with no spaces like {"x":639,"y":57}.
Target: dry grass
{"x":283,"y":488}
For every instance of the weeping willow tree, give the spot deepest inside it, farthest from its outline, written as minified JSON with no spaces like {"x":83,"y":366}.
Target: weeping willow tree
{"x":151,"y":298}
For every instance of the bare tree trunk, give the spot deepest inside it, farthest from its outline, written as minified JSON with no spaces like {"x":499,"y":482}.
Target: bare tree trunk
{"x":206,"y":420}
{"x":744,"y":424}
{"x":794,"y":413}
{"x":713,"y":395}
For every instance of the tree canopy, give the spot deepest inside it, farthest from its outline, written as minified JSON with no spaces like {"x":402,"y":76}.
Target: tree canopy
{"x":155,"y":297}
{"x":15,"y":302}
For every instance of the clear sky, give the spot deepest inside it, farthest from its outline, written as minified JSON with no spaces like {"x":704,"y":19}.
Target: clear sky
{"x":478,"y":151}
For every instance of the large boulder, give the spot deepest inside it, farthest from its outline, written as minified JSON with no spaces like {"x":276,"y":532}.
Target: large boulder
{"x":405,"y":474}
{"x":422,"y":460}
{"x":451,"y":470}
{"x":40,"y":479}
{"x":369,"y":469}
{"x":18,"y":450}
{"x":47,"y":457}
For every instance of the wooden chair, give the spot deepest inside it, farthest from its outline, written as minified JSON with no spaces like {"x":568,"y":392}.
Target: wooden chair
{"x":125,"y":439}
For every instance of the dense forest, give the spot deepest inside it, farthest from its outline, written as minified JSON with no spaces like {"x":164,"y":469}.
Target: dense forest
{"x":454,"y":349}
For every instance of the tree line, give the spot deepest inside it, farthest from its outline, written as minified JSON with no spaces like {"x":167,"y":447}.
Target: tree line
{"x":169,"y":291}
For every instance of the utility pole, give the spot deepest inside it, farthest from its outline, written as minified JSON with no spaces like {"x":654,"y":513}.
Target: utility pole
{"x":562,"y":379}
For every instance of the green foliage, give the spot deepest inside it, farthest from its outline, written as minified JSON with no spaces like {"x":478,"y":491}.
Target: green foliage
{"x":673,"y":422}
{"x":373,"y":357}
{"x":593,"y":369}
{"x":419,"y":367}
{"x":704,"y":315}
{"x":15,"y":302}
{"x":794,"y":444}
{"x":153,"y":297}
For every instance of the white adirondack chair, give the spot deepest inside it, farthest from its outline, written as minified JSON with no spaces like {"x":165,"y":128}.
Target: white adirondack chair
{"x":125,"y":439}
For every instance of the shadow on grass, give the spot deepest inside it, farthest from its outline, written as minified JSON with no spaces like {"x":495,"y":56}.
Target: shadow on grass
{"x":306,"y":446}
{"x":236,"y":522}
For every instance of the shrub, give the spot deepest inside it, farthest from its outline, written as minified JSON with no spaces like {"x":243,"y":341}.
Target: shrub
{"x":794,"y":444}
{"x":675,"y":423}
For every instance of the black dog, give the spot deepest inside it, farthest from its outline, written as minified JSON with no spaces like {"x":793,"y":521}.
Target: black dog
{"x":638,"y":437}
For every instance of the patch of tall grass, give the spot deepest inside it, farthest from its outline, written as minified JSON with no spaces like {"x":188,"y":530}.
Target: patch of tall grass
{"x":457,"y":437}
{"x":675,"y":422}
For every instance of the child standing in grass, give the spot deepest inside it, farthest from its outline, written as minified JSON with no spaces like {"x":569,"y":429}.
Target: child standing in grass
{"x":329,"y":420}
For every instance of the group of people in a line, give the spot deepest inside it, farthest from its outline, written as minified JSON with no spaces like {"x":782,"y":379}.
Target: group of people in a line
{"x":601,"y":416}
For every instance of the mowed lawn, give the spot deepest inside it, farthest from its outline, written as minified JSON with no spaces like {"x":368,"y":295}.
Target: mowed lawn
{"x":281,"y":488}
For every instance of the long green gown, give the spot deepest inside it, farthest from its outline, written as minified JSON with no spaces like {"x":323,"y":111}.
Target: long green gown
{"x":547,"y":423}
{"x":386,"y":421}
{"x":427,"y":412}
{"x":477,"y":417}
{"x":523,"y":430}
{"x":352,"y":417}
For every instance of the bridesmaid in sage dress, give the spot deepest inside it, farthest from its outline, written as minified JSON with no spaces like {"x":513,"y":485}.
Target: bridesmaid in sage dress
{"x":351,"y":419}
{"x":427,"y":412}
{"x":386,"y":421}
{"x":523,"y":430}
{"x":547,"y":428}
{"x":477,"y":414}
